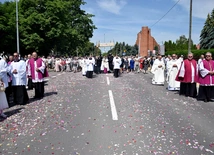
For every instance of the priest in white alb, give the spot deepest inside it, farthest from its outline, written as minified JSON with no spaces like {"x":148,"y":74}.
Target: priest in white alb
{"x":173,"y":67}
{"x":158,"y":71}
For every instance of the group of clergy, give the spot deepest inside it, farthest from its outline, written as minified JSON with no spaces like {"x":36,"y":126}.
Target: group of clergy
{"x":98,"y":65}
{"x":14,"y":74}
{"x":185,"y":75}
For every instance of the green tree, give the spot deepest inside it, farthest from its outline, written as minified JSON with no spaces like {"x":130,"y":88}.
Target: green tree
{"x":120,"y":48}
{"x":207,"y":33}
{"x":180,"y":44}
{"x":156,"y":48}
{"x":7,"y":27}
{"x":57,"y":24}
{"x":204,"y":33}
{"x":88,"y":49}
{"x":46,"y":25}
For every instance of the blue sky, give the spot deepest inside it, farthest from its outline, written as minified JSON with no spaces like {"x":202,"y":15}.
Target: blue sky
{"x":121,"y":20}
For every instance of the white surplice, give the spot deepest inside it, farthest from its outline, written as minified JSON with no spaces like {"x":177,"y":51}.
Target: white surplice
{"x":90,"y":64}
{"x":172,"y":73}
{"x":158,"y":72}
{"x":117,"y":62}
{"x":41,"y":69}
{"x":19,"y":79}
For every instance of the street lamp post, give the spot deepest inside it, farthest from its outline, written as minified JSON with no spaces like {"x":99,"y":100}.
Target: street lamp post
{"x":17,"y":27}
{"x":190,"y":28}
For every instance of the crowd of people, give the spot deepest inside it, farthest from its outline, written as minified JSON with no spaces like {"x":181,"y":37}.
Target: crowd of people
{"x":15,"y":75}
{"x":190,"y":77}
{"x":105,"y":64}
{"x":181,"y":75}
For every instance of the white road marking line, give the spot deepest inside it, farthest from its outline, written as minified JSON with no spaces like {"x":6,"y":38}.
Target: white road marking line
{"x":113,"y":107}
{"x":108,"y":82}
{"x":53,"y":76}
{"x":58,"y":74}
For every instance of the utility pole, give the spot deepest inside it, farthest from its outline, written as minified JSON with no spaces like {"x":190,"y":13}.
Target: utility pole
{"x":17,"y":27}
{"x":190,"y":27}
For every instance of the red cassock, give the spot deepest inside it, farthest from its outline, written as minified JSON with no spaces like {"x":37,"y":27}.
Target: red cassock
{"x":187,"y":75}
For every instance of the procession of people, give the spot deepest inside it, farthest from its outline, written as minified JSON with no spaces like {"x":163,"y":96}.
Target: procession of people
{"x":183,"y":75}
{"x":14,"y":73}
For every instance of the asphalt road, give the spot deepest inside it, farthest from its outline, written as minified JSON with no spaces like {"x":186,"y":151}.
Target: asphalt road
{"x":108,"y":116}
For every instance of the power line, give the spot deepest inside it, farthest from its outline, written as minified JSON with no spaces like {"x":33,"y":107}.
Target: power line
{"x":166,"y":13}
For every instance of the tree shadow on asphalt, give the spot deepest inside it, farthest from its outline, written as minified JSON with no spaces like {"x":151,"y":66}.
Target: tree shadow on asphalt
{"x":11,"y":112}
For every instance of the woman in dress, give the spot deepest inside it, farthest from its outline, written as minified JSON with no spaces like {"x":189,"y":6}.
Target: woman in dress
{"x":3,"y":100}
{"x":126,"y":64}
{"x":68,"y":65}
{"x":57,"y":65}
{"x":132,"y":62}
{"x":145,"y":64}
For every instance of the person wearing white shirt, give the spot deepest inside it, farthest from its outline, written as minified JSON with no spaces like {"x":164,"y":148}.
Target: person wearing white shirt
{"x":90,"y":67}
{"x":116,"y":63}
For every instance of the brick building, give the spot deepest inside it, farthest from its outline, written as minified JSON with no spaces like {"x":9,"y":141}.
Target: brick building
{"x":146,"y":41}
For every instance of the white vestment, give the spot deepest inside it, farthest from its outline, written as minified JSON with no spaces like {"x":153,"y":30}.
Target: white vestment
{"x":172,"y":73}
{"x":158,"y":72}
{"x":90,"y":64}
{"x":84,"y":66}
{"x":116,"y":63}
{"x":104,"y":64}
{"x":19,"y":79}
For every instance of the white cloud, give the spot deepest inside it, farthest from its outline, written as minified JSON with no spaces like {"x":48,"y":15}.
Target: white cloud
{"x":200,"y":8}
{"x":112,"y":6}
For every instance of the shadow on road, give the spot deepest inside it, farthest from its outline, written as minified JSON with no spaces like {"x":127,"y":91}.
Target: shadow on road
{"x":45,"y":95}
{"x":12,"y":112}
{"x":50,"y":93}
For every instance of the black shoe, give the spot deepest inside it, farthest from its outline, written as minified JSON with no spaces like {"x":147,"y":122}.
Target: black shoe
{"x":3,"y":115}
